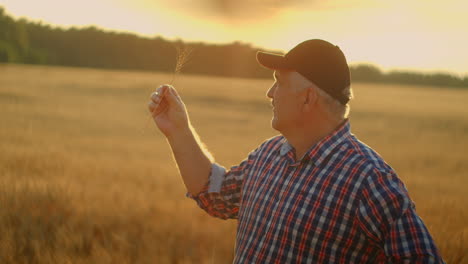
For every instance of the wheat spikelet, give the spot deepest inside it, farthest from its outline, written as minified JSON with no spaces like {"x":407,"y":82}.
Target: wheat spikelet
{"x":183,"y":53}
{"x":182,"y":56}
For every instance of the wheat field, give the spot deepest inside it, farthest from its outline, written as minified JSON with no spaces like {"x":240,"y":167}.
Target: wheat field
{"x":86,"y":177}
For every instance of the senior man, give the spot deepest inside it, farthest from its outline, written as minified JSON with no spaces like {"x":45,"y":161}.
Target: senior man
{"x":315,"y":193}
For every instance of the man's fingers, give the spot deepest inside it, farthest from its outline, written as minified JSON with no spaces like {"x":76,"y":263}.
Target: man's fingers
{"x":157,"y":105}
{"x":156,"y":97}
{"x":168,"y":92}
{"x":152,"y":106}
{"x":174,"y":92}
{"x":164,"y":96}
{"x":156,"y":109}
{"x":172,"y":96}
{"x":161,"y":88}
{"x":161,"y":92}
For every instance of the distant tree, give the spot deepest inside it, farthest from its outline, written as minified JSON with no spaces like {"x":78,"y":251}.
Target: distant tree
{"x":8,"y":52}
{"x":366,"y":72}
{"x":22,"y":41}
{"x":20,"y":36}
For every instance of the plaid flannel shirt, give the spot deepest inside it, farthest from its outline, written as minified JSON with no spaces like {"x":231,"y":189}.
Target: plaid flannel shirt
{"x":341,"y":203}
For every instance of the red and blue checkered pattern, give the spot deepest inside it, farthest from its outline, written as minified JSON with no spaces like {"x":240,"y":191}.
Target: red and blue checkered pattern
{"x":341,"y":203}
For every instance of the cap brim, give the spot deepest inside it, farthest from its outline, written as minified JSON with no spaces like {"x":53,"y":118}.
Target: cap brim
{"x":272,"y":61}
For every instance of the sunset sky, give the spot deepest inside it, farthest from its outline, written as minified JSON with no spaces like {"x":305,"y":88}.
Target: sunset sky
{"x":400,"y":34}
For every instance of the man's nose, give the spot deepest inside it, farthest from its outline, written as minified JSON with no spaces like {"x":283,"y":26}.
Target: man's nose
{"x":270,"y":91}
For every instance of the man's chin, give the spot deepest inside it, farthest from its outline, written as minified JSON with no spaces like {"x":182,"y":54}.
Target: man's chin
{"x":274,"y":124}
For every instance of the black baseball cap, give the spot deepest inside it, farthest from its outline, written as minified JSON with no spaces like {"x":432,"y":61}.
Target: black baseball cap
{"x":319,"y":61}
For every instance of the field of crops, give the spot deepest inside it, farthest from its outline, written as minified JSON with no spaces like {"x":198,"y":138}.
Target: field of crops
{"x":86,"y":177}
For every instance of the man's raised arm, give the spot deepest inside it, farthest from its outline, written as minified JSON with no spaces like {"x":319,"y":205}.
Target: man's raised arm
{"x":171,"y":117}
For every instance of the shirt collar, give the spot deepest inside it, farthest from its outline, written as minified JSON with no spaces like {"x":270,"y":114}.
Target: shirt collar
{"x":319,"y":152}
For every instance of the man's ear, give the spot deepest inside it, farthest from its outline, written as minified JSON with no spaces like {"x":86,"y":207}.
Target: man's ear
{"x":310,"y":98}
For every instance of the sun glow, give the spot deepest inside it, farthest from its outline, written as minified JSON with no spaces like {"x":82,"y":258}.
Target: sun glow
{"x":397,"y":34}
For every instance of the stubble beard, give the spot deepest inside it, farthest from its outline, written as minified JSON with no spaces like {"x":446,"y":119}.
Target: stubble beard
{"x":274,"y":122}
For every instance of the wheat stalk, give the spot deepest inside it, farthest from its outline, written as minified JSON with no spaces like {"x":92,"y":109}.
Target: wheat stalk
{"x":183,"y":53}
{"x":182,"y":56}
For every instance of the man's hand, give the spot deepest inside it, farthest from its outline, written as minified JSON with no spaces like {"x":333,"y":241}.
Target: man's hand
{"x":168,"y":111}
{"x":170,"y":115}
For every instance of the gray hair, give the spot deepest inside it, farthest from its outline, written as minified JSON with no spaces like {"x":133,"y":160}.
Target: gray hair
{"x":335,"y":108}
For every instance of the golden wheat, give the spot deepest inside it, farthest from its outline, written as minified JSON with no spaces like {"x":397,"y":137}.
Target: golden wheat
{"x":80,"y":184}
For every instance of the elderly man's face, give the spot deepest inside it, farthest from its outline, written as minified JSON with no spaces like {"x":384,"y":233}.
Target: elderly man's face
{"x":285,"y":100}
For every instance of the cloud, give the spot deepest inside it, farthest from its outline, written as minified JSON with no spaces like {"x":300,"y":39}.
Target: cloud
{"x":248,"y":11}
{"x":241,"y":8}
{"x":235,"y":10}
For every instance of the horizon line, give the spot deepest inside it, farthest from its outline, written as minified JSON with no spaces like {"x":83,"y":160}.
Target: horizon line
{"x":383,"y":69}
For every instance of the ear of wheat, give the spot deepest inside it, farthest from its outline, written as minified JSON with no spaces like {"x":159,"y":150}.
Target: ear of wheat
{"x":182,"y":56}
{"x":183,"y":53}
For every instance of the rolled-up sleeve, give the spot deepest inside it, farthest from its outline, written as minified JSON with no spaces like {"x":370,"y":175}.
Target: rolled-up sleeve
{"x":221,"y":194}
{"x":388,"y":218}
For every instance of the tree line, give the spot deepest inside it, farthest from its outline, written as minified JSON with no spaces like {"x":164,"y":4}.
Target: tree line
{"x":23,"y":41}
